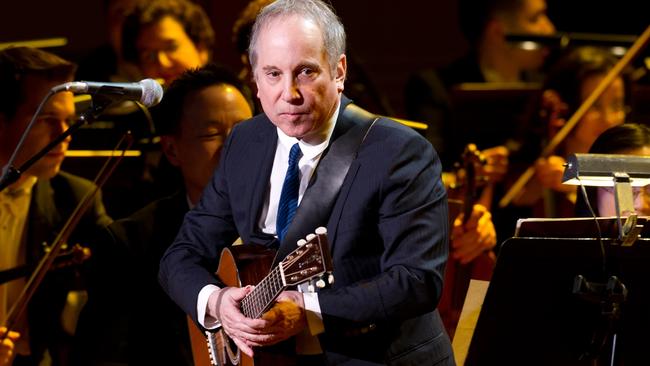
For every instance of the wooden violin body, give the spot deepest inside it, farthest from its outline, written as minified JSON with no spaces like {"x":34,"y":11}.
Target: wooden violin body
{"x":462,"y":196}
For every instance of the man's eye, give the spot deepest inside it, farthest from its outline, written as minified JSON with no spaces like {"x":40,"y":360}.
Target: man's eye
{"x":307,"y":71}
{"x":273,"y":74}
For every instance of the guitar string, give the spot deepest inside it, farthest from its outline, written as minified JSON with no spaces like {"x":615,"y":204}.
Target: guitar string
{"x":258,"y":300}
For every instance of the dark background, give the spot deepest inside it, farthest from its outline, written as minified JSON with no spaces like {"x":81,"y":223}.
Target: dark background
{"x":389,"y":38}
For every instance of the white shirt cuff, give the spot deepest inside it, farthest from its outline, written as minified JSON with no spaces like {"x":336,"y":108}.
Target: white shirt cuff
{"x":313,"y":313}
{"x":207,"y":321}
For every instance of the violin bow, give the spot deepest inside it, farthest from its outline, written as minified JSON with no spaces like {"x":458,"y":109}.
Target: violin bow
{"x":637,"y":47}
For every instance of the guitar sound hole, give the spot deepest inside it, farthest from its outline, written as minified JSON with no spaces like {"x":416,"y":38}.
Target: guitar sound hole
{"x":232,"y":351}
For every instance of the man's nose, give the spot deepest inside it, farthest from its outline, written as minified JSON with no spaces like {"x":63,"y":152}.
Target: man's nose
{"x":59,"y":127}
{"x":290,"y":91}
{"x":545,"y":26}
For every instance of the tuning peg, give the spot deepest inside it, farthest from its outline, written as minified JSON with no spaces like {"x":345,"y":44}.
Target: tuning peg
{"x":310,"y":236}
{"x":321,"y":230}
{"x":320,"y":283}
{"x":330,"y":279}
{"x":301,"y":242}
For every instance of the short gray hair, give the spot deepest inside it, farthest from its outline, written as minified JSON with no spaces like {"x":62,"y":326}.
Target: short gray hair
{"x":315,"y":10}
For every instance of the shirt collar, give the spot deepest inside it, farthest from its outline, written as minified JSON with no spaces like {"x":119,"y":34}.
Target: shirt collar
{"x":23,"y":188}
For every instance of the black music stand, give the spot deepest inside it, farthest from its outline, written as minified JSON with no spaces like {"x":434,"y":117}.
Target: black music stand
{"x":534,"y":314}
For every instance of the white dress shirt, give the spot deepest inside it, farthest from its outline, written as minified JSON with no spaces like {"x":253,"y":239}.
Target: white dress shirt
{"x":14,"y":210}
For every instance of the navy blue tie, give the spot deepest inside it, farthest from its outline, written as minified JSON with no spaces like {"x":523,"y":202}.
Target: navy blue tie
{"x":289,"y":195}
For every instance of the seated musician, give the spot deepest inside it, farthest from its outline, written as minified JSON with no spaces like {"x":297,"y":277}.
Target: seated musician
{"x":627,"y":139}
{"x":35,"y":208}
{"x":489,"y":59}
{"x":198,"y":111}
{"x":572,"y":79}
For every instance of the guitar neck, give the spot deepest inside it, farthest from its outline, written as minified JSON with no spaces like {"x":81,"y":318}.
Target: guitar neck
{"x":261,"y":298}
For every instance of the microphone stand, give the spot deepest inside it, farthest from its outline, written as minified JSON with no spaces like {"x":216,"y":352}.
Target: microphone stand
{"x":610,"y":296}
{"x":10,"y":174}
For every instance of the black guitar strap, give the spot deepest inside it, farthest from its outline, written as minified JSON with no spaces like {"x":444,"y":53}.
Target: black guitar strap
{"x":318,"y":201}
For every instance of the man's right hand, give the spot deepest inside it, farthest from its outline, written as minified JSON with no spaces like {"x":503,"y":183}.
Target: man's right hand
{"x":7,"y":346}
{"x":224,"y":305}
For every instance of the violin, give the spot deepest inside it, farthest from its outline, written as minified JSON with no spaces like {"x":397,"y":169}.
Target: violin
{"x":463,"y":194}
{"x":559,"y":200}
{"x":68,"y":257}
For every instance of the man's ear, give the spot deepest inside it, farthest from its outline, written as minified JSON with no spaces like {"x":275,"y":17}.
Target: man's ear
{"x":168,"y":145}
{"x":341,"y":70}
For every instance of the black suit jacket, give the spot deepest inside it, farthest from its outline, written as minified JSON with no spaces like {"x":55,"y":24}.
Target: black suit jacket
{"x":53,"y":201}
{"x":129,"y":319}
{"x":388,"y":235}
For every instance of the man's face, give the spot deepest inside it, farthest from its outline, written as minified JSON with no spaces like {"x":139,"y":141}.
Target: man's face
{"x":295,"y":83}
{"x":52,"y":121}
{"x":165,"y":51}
{"x":531,"y":18}
{"x":208,"y":117}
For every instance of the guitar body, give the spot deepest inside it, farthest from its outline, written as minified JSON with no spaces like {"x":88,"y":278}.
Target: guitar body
{"x":242,"y":265}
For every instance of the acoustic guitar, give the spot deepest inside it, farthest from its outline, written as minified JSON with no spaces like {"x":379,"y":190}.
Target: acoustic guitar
{"x":243,"y":265}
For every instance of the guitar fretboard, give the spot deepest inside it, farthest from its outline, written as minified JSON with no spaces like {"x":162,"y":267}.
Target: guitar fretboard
{"x":260,"y":299}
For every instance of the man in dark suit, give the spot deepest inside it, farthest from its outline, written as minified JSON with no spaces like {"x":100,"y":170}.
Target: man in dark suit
{"x":387,"y":224}
{"x":198,"y":111}
{"x":35,"y":208}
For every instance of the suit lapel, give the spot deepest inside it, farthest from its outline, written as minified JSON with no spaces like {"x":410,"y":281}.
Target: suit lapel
{"x":316,"y":206}
{"x":261,"y":155}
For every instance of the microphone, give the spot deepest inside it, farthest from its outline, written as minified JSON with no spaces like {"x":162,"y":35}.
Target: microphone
{"x":147,"y":91}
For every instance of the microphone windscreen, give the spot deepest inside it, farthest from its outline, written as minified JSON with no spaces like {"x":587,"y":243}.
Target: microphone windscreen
{"x":152,"y":92}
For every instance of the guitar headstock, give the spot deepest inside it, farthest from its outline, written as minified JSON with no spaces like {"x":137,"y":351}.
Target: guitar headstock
{"x":309,"y":261}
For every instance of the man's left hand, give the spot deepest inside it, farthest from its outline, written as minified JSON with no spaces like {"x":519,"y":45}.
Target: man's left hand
{"x":286,"y":317}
